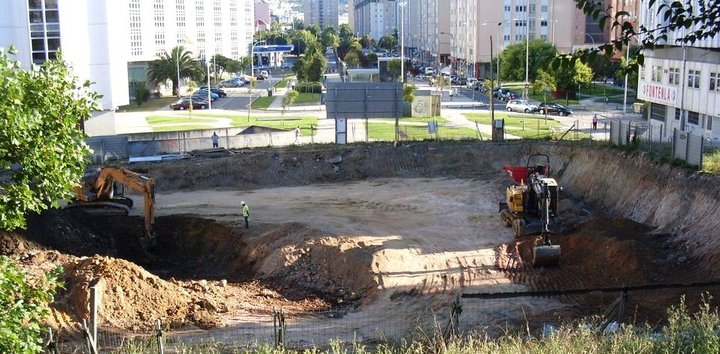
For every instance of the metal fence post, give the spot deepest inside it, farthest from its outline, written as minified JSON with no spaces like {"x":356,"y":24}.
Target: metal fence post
{"x":159,"y":336}
{"x":93,"y":311}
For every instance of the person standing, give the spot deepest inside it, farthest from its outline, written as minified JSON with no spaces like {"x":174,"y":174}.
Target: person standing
{"x":594,"y":121}
{"x":297,"y":135}
{"x":215,"y":139}
{"x":245,"y":213}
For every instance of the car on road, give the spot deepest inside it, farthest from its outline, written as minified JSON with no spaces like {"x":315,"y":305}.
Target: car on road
{"x":185,"y":102}
{"x":554,"y":108}
{"x":520,"y":106}
{"x":263,"y":75}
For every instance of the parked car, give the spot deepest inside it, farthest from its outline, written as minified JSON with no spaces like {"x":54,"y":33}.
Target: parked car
{"x":185,"y":102}
{"x":234,"y":82}
{"x":462,"y":81}
{"x":204,"y":94}
{"x":554,"y":108}
{"x":510,"y":95}
{"x":499,"y":93}
{"x":214,"y":90}
{"x":520,"y":106}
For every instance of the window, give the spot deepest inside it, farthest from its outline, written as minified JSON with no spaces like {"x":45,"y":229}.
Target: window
{"x":709,"y":122}
{"x":674,"y":76}
{"x":657,"y":72}
{"x":693,"y":117}
{"x":678,"y":113}
{"x":693,"y":79}
{"x":543,"y":23}
{"x":658,"y":112}
{"x":642,"y":72}
{"x":714,"y":81}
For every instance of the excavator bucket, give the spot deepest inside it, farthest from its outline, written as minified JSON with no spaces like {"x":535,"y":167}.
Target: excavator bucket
{"x":546,"y":255}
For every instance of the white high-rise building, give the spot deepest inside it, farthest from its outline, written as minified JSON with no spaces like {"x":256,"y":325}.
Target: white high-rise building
{"x":109,"y":42}
{"x":681,"y":82}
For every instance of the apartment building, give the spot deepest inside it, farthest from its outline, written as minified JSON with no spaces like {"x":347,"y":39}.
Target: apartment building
{"x":473,"y":22}
{"x":109,"y":42}
{"x":376,"y":18}
{"x":680,"y":82}
{"x":322,"y":12}
{"x":262,"y":15}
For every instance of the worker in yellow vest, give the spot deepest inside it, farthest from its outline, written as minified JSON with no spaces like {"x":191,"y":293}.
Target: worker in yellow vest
{"x":245,"y":213}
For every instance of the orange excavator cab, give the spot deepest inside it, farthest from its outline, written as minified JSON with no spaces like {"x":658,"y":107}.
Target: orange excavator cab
{"x":103,"y":191}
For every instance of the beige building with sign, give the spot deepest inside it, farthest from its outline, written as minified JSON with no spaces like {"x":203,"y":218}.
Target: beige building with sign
{"x":681,"y":84}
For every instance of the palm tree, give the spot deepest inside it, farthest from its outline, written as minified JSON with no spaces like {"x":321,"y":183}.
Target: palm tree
{"x":167,"y":67}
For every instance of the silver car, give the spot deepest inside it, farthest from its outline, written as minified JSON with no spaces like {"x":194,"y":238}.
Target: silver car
{"x":520,"y":106}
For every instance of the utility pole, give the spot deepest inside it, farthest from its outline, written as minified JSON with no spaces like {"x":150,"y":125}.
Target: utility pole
{"x":490,"y":94}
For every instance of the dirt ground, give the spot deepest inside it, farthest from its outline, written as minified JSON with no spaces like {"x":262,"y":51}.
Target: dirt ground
{"x":373,"y":248}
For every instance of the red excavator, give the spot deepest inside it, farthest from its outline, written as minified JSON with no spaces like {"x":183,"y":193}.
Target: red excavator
{"x":103,"y":190}
{"x":531,"y":204}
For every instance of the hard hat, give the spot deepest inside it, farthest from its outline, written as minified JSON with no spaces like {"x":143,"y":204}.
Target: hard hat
{"x":242,"y":202}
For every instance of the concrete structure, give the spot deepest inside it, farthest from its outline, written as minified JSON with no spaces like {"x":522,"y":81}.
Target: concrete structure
{"x":322,"y":12}
{"x":109,"y":42}
{"x":681,"y":82}
{"x":262,"y":15}
{"x":428,"y":31}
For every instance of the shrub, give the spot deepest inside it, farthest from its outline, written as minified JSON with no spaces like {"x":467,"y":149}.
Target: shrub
{"x":308,"y":87}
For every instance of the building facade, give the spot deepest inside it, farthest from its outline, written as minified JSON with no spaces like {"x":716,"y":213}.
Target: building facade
{"x":376,"y":18}
{"x":681,"y":83}
{"x":91,"y":34}
{"x":262,"y":15}
{"x":473,"y":22}
{"x":109,"y":42}
{"x":322,"y":12}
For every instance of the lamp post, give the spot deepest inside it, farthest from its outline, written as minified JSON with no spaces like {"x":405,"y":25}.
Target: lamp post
{"x":209,"y":92}
{"x":177,"y":63}
{"x":402,"y":40}
{"x":627,"y":61}
{"x":252,"y":57}
{"x":527,"y":55}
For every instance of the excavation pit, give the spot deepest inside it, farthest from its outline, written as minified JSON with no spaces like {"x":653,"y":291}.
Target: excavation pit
{"x":387,"y":231}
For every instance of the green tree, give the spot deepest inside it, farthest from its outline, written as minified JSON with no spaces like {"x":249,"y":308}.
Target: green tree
{"x":314,"y":29}
{"x":25,"y":307}
{"x":690,"y":21}
{"x":513,"y":59}
{"x":372,"y":59}
{"x":583,"y":75}
{"x":142,"y":94}
{"x":394,"y":67}
{"x":366,"y":41}
{"x":352,"y":59}
{"x":289,"y":99}
{"x":42,"y":148}
{"x":388,"y":42}
{"x":302,"y":40}
{"x":166,"y":68}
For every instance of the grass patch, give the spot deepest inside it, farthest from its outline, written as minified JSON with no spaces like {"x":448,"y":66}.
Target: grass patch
{"x":386,"y":132}
{"x":711,"y":161}
{"x":175,"y":128}
{"x":174,"y":119}
{"x":514,"y":120}
{"x":151,"y":105}
{"x":307,"y":98}
{"x":262,"y":102}
{"x":306,"y":123}
{"x":439,"y":119}
{"x":595,"y":90}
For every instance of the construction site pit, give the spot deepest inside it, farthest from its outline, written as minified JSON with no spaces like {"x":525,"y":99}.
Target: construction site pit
{"x":375,"y":241}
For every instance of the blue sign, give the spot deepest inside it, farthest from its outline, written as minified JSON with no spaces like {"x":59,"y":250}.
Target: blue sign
{"x":274,"y":48}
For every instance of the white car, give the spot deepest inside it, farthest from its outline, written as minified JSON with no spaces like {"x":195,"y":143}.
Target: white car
{"x":520,"y":106}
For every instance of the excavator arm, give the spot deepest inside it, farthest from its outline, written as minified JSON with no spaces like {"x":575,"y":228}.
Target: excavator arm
{"x":102,"y":190}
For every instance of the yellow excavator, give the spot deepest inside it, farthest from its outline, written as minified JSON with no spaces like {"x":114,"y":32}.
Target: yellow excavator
{"x":531,"y":204}
{"x":103,"y":190}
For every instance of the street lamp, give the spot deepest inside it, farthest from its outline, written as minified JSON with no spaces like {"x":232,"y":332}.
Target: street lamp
{"x":627,"y":62}
{"x":527,"y":55}
{"x":209,"y":92}
{"x":252,"y":57}
{"x":177,"y":63}
{"x":402,"y":40}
